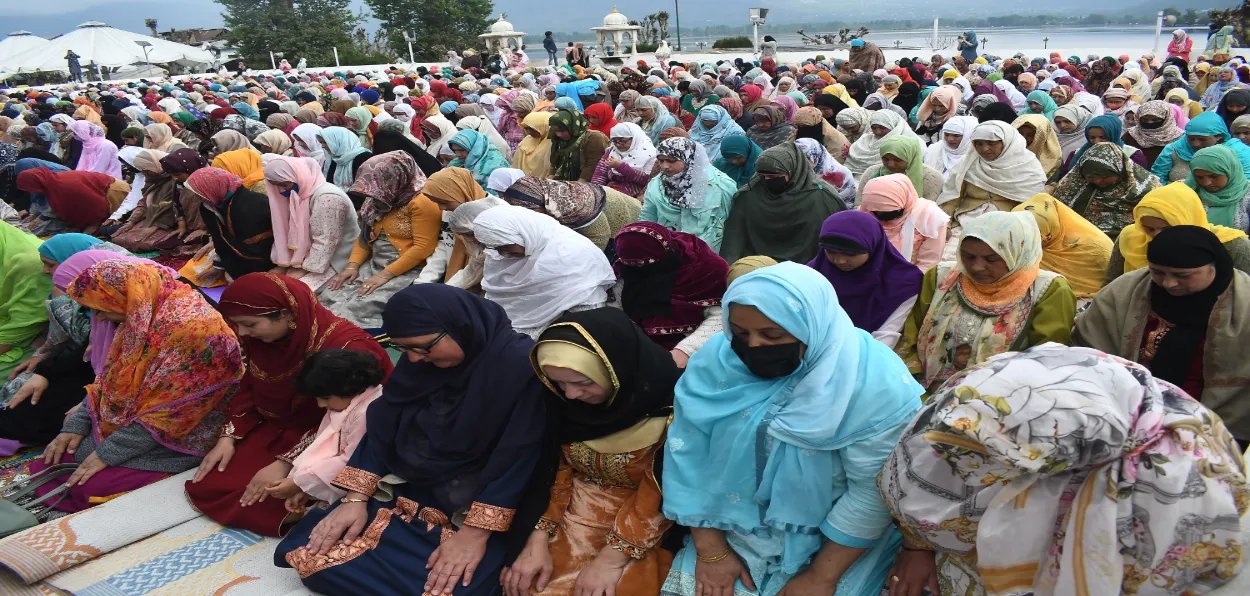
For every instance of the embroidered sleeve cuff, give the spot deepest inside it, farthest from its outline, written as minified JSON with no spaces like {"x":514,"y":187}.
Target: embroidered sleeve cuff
{"x":355,"y":479}
{"x":634,"y":551}
{"x":547,"y":526}
{"x":304,"y":442}
{"x":489,"y":517}
{"x":229,"y":431}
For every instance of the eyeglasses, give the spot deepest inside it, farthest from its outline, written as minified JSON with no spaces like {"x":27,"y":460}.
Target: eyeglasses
{"x":421,"y":350}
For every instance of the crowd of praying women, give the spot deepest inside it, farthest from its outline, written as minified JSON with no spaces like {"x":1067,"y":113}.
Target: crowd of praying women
{"x":747,"y":328}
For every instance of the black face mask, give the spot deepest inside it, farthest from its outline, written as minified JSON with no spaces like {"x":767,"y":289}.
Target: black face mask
{"x":769,"y":362}
{"x":1148,"y":125}
{"x":888,"y":215}
{"x":776,"y":185}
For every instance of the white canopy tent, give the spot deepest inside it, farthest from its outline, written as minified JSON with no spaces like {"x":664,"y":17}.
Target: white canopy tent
{"x":96,"y":42}
{"x":17,"y":43}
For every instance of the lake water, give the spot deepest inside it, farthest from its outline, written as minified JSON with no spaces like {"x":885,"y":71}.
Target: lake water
{"x":1080,"y":41}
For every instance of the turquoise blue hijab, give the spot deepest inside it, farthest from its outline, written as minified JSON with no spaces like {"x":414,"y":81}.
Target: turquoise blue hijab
{"x":1206,"y":124}
{"x":63,"y":246}
{"x":344,"y":145}
{"x":738,"y":146}
{"x":742,"y":451}
{"x":1040,"y":97}
{"x":1112,"y":128}
{"x":483,"y":157}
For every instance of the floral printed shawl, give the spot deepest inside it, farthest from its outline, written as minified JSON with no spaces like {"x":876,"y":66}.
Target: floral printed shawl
{"x":388,"y":182}
{"x":173,"y":362}
{"x":1088,"y":475}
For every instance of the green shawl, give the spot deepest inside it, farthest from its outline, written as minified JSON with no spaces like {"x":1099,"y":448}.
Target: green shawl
{"x":566,"y":156}
{"x":1222,"y":204}
{"x":24,"y":290}
{"x":783,"y":226}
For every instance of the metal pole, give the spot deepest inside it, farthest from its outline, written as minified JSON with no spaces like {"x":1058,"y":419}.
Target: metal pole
{"x":1158,"y":31}
{"x":336,"y":57}
{"x":756,"y":25}
{"x":677,"y":13}
{"x":411,"y":59}
{"x":272,"y":64}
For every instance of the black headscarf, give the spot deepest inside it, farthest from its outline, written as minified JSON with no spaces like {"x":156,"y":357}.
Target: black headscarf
{"x":832,"y":102}
{"x":998,"y":110}
{"x":385,"y":141}
{"x":855,"y":88}
{"x":908,"y":95}
{"x":454,"y":430}
{"x":1236,"y":96}
{"x":1185,"y":247}
{"x":647,"y":376}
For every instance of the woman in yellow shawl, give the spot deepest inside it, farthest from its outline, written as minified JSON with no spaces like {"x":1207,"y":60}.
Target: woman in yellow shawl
{"x":88,"y":113}
{"x":838,"y":90}
{"x":246,"y":164}
{"x":533,"y":153}
{"x":1041,"y":140}
{"x":1173,"y":205}
{"x":1071,"y":246}
{"x":24,"y":292}
{"x":158,"y":406}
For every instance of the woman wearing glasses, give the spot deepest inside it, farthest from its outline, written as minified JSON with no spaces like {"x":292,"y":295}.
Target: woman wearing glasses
{"x":456,"y":434}
{"x":279,"y":323}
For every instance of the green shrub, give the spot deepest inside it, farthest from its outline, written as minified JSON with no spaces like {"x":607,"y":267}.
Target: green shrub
{"x":648,"y":47}
{"x":741,"y":41}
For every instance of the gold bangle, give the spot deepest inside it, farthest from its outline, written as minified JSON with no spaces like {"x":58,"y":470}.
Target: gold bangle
{"x":347,"y":500}
{"x":716,"y":559}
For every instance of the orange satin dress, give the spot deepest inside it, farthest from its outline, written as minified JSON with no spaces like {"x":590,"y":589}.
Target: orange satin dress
{"x":602,"y":499}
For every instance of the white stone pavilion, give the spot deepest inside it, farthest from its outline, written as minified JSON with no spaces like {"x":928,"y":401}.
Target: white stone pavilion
{"x":615,"y":27}
{"x":500,"y":34}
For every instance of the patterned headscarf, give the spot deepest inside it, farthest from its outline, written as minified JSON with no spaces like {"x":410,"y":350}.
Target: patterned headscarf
{"x":566,"y":155}
{"x":172,"y":362}
{"x":573,"y":204}
{"x":388,"y":182}
{"x":679,"y":187}
{"x":213,"y":184}
{"x":183,"y":161}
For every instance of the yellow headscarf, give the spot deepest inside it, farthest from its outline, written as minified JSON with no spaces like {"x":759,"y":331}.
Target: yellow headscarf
{"x":1176,"y":204}
{"x":1071,"y":246}
{"x":838,"y":90}
{"x":746,"y":265}
{"x":85,"y":112}
{"x":1045,"y":143}
{"x":533,"y":156}
{"x":244,"y":163}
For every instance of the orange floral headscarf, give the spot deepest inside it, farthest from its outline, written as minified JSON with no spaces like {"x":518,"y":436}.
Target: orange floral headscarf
{"x":173,"y":362}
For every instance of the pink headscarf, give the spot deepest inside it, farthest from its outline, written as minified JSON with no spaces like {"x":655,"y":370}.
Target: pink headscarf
{"x":102,"y":331}
{"x":292,"y":237}
{"x":98,"y":153}
{"x":1179,"y":114}
{"x":785,"y":102}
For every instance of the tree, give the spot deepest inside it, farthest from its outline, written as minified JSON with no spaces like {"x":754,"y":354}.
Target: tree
{"x":297,"y":28}
{"x":662,"y":18}
{"x":437,"y":25}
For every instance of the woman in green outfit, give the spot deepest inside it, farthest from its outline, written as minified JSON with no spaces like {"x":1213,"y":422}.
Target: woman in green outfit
{"x":24,"y":293}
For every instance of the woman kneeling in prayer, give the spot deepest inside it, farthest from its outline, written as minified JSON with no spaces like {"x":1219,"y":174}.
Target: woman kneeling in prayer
{"x":455,"y":436}
{"x":157,"y":406}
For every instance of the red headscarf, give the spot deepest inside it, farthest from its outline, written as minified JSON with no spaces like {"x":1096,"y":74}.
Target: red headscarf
{"x":753,"y":93}
{"x":420,"y":105}
{"x":769,"y":65}
{"x":453,"y":95}
{"x":78,"y":197}
{"x":903,"y":74}
{"x":698,"y":278}
{"x":603,"y":113}
{"x":674,"y":107}
{"x":438,"y":89}
{"x":268,"y":387}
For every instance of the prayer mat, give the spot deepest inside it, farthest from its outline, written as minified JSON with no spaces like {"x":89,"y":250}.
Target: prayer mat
{"x":15,"y":468}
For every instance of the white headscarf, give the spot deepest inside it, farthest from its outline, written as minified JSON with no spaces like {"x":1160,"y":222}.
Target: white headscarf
{"x":169,"y":105}
{"x":641,"y":154}
{"x":939,"y":155}
{"x":488,"y":105}
{"x":308,"y":134}
{"x":484,"y":126}
{"x":1018,"y":101}
{"x":404,"y":113}
{"x":561,"y":269}
{"x":1015,"y":174}
{"x":865,"y":152}
{"x":503,"y":178}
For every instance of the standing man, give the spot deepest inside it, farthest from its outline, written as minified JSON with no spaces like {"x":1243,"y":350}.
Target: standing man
{"x":75,"y":68}
{"x":549,"y":44}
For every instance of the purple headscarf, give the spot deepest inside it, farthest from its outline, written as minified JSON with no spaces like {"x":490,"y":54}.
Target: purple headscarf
{"x":871,"y":293}
{"x":988,"y":88}
{"x":102,"y":331}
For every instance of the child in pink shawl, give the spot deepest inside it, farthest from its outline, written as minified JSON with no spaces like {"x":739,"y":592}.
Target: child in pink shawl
{"x":98,"y":153}
{"x":344,"y":382}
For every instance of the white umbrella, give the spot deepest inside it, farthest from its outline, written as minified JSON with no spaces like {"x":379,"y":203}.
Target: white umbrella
{"x":105,"y":46}
{"x":19,"y":42}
